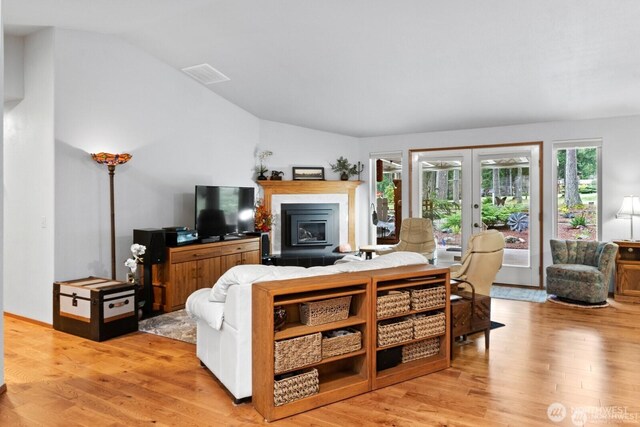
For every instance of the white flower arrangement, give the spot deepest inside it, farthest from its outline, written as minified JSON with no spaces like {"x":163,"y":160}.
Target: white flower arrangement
{"x":137,"y":251}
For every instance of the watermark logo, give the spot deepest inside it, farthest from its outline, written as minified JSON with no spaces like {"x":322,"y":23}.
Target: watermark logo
{"x":556,"y":412}
{"x":583,"y":415}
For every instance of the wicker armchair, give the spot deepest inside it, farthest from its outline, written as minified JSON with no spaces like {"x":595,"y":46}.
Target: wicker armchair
{"x":416,"y":235}
{"x":581,"y":270}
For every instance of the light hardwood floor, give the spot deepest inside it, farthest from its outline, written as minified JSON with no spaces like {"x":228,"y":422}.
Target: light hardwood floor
{"x":546,"y":353}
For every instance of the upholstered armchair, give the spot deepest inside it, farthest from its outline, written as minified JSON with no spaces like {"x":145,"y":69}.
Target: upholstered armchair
{"x":416,"y":235}
{"x":581,"y":270}
{"x":481,"y":261}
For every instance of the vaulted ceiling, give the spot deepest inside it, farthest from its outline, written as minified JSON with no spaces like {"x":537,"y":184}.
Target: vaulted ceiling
{"x":380,"y":67}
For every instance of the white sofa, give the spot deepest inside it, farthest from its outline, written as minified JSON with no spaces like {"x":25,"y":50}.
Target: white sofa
{"x":223,"y":313}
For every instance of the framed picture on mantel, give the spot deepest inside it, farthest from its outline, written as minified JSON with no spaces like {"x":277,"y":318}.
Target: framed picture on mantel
{"x":308,"y":173}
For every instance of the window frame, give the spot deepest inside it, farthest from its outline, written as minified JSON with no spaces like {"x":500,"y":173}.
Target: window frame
{"x":564,"y":145}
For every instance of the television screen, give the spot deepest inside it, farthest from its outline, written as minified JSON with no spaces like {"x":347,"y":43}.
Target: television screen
{"x":223,"y":210}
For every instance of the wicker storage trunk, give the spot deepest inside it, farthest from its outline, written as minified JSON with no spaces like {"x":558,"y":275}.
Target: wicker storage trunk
{"x":396,"y":331}
{"x":420,"y":349}
{"x":427,"y":325}
{"x":392,"y":303}
{"x":297,"y":352}
{"x":325,"y":311}
{"x":335,"y":346}
{"x":423,"y":299}
{"x":296,"y":387}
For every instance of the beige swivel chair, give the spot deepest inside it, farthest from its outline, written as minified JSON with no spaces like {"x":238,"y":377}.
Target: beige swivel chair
{"x":416,"y":235}
{"x":481,"y":262}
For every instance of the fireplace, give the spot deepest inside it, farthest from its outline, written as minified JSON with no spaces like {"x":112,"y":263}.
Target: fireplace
{"x":309,"y":228}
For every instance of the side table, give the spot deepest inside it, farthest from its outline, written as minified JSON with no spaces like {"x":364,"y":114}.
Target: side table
{"x":627,"y":271}
{"x":466,"y":322}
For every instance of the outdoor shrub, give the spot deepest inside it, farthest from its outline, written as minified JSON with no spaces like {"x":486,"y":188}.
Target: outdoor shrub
{"x":587,"y":189}
{"x":579,"y":221}
{"x":452,"y":222}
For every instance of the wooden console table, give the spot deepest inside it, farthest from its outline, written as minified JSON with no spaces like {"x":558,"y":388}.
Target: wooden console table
{"x":355,"y":372}
{"x":191,"y":267}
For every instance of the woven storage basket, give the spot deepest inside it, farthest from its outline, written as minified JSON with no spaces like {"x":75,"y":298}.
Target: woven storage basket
{"x":420,"y":349}
{"x":334,"y":346}
{"x":297,"y":352}
{"x":422,"y":299}
{"x":325,"y":311}
{"x":395,"y":302}
{"x":396,"y":331}
{"x":424,"y":326}
{"x":296,"y":387}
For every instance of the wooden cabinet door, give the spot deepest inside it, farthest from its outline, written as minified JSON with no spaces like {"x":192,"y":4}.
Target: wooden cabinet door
{"x":209,"y":272}
{"x":629,"y":279}
{"x":184,"y":276}
{"x":228,"y":261}
{"x":251,"y":257}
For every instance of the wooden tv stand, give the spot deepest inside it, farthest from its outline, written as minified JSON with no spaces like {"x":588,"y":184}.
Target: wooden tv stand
{"x":350,"y":374}
{"x":191,"y":267}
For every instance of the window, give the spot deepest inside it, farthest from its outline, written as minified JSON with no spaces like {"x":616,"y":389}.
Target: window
{"x":577,"y":197}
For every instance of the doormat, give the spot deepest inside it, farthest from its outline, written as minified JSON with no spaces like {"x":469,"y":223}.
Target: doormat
{"x":519,"y":294}
{"x":578,"y":304}
{"x":176,"y":325}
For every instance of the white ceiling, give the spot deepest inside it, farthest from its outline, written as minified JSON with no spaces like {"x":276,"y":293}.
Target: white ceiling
{"x":380,"y":67}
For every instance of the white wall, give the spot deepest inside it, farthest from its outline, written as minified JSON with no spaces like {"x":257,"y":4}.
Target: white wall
{"x":113,"y":97}
{"x":14,"y":71}
{"x":28,"y":186}
{"x":620,"y":154}
{"x":1,"y":213}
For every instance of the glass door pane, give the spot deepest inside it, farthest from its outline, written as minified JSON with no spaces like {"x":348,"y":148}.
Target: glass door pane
{"x":441,"y":200}
{"x":505,"y":199}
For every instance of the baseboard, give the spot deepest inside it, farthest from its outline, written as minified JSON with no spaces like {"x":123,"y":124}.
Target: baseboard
{"x":3,"y":388}
{"x":27,"y":319}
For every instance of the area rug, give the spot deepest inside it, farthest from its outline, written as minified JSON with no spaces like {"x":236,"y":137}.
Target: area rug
{"x":506,"y":292}
{"x":176,"y":325}
{"x":496,"y":325}
{"x":578,"y":304}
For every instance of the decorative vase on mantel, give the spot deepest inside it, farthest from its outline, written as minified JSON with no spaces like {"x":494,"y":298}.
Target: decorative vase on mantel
{"x":344,"y":176}
{"x":261,"y":177}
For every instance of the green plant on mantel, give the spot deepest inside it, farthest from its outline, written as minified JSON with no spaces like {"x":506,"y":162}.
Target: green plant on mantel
{"x":346,"y":169}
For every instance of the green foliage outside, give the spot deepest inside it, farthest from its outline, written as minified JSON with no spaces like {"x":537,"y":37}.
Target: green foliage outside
{"x":386,"y":187}
{"x":435,"y":208}
{"x":491,"y":215}
{"x":578,"y":221}
{"x":587,"y":163}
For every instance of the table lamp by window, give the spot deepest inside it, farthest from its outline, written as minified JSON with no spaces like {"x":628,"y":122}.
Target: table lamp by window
{"x":630,"y":208}
{"x":112,"y":160}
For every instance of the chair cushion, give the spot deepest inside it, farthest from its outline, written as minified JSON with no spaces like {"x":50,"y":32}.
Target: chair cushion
{"x":576,"y":281}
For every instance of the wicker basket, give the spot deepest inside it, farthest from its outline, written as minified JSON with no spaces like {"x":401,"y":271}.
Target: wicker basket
{"x":334,"y":346}
{"x":422,"y":299}
{"x":325,"y":311}
{"x":424,"y":326}
{"x":297,"y":352}
{"x":396,"y":331}
{"x":395,"y":302}
{"x":420,"y":349}
{"x":295,"y":387}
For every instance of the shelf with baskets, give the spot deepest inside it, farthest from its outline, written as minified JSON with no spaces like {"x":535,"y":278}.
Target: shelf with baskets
{"x":410,"y":318}
{"x":318,"y":352}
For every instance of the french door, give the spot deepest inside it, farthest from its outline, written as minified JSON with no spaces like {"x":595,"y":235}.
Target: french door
{"x":467,"y":190}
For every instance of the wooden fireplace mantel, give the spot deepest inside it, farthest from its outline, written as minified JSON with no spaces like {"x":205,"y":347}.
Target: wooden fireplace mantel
{"x":316,"y":187}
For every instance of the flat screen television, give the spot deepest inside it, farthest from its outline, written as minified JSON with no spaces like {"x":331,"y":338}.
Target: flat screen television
{"x":223,"y":211}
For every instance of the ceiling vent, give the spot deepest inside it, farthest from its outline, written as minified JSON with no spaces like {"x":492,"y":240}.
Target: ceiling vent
{"x":206,"y":74}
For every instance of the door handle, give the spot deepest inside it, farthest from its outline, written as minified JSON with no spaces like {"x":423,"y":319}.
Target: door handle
{"x":475,"y":224}
{"x":476,"y":206}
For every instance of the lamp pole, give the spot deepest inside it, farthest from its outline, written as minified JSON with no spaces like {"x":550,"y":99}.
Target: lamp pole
{"x":112,"y":172}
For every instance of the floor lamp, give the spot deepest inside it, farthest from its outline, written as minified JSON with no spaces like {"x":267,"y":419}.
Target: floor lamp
{"x":112,"y":160}
{"x":630,"y":208}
